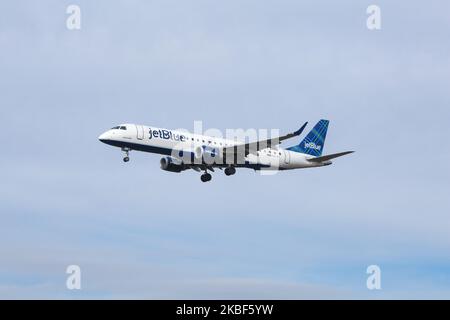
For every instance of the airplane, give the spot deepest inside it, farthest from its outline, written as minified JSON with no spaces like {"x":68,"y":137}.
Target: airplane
{"x":183,"y":151}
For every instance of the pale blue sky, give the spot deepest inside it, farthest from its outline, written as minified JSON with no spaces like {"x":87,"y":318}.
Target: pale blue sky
{"x":139,"y":232}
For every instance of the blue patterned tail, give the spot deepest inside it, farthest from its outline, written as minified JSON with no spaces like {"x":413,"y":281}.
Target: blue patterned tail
{"x":315,"y":140}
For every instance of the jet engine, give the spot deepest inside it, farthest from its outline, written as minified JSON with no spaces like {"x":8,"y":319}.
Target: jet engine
{"x":171,"y":164}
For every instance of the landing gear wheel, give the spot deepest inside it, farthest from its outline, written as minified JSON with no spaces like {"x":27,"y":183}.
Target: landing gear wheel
{"x":230,"y":171}
{"x":126,"y":158}
{"x":205,"y":177}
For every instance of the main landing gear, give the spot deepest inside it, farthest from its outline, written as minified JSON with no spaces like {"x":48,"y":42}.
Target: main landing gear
{"x":126,"y":158}
{"x":230,"y":171}
{"x":206,"y":177}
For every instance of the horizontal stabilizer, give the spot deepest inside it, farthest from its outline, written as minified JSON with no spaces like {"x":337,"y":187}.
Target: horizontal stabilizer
{"x":330,"y":156}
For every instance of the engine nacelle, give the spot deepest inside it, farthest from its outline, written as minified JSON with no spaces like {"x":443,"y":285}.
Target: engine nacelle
{"x":171,"y":164}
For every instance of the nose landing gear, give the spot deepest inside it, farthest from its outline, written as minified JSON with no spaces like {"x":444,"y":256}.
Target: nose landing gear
{"x":126,"y":158}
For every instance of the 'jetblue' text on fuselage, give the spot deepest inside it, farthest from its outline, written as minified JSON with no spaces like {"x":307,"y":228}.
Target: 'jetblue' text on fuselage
{"x":166,"y":134}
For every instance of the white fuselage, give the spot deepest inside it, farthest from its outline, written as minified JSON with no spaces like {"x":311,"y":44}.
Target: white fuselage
{"x":178,"y":143}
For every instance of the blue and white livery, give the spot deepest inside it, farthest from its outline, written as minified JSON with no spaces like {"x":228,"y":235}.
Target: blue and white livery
{"x":183,"y":150}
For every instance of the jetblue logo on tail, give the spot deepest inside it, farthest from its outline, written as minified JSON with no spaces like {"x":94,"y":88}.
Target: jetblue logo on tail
{"x":312,"y":145}
{"x":314,"y":141}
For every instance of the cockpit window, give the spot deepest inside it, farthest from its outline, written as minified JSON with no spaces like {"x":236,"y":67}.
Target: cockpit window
{"x":123,"y":128}
{"x":115,"y":128}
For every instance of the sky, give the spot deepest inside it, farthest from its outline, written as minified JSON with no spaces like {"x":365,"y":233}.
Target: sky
{"x":138,"y":232}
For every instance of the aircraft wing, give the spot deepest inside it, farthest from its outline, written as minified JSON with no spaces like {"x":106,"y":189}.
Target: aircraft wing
{"x":253,"y":147}
{"x":329,"y":156}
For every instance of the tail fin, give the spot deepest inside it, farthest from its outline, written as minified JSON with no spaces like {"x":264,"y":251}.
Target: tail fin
{"x":314,"y":142}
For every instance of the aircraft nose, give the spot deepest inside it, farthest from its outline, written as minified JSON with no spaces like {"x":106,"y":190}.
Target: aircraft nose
{"x":103,"y":137}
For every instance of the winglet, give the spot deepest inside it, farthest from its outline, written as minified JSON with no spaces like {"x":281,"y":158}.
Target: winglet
{"x":299,"y":131}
